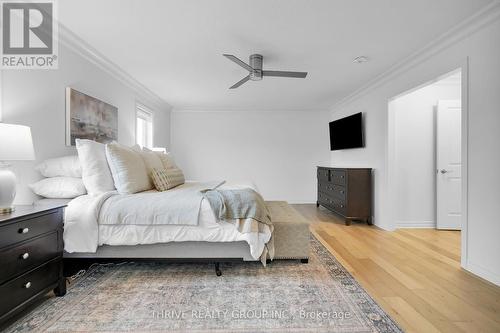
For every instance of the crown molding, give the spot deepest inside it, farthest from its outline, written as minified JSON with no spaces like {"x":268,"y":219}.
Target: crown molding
{"x":82,"y":48}
{"x":488,"y":14}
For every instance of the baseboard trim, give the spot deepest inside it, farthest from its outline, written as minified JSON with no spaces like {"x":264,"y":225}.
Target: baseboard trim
{"x":483,"y":273}
{"x":415,"y":224}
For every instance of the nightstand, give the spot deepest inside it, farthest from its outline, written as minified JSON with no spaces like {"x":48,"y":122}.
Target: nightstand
{"x":31,"y":248}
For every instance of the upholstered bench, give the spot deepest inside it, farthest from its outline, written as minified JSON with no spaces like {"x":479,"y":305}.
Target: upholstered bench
{"x":291,"y":231}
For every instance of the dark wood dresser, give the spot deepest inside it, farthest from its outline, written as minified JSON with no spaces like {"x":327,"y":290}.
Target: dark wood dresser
{"x":31,"y":248}
{"x":347,"y":192}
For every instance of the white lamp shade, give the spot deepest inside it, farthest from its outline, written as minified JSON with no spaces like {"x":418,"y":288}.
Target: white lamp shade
{"x":16,"y":143}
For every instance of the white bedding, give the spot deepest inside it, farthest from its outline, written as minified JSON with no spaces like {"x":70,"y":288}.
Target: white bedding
{"x":178,"y":206}
{"x":84,"y":228}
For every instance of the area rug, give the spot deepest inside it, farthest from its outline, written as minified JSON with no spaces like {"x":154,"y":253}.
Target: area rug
{"x":320,"y":296}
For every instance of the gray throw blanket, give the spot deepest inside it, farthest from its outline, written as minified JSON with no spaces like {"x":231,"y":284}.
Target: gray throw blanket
{"x":245,"y":207}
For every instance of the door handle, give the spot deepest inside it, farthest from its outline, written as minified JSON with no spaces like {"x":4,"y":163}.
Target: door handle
{"x":443,"y":171}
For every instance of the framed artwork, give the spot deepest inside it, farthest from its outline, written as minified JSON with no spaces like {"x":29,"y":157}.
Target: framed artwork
{"x":89,"y":118}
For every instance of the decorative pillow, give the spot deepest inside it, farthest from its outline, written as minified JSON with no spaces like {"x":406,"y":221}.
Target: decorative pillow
{"x":166,"y":179}
{"x":67,"y":166}
{"x":59,"y":187}
{"x":96,"y":175}
{"x":128,"y":169}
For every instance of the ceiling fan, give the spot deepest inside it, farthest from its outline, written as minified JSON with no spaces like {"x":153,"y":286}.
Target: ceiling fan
{"x":256,"y":73}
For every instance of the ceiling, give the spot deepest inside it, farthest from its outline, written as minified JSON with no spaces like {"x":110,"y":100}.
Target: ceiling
{"x":175,"y":47}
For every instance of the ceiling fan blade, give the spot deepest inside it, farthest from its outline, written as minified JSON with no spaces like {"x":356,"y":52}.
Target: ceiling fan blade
{"x":285,"y":74}
{"x":240,"y":82}
{"x":238,"y":61}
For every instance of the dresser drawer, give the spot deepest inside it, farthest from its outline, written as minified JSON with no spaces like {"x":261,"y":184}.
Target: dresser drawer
{"x":336,"y":204}
{"x":323,"y":174}
{"x":21,"y":289}
{"x":28,"y":255}
{"x":22,"y":230}
{"x":340,"y":206}
{"x":332,"y":190}
{"x":324,"y":187}
{"x":338,"y":191}
{"x":338,"y":177}
{"x":325,"y":199}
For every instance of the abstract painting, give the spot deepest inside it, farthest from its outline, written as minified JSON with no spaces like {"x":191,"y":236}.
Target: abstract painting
{"x":89,"y":118}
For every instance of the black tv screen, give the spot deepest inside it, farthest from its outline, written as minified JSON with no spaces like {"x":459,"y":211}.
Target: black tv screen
{"x":347,"y":132}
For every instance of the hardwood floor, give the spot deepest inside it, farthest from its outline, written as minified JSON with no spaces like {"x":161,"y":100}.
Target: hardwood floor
{"x":414,"y":274}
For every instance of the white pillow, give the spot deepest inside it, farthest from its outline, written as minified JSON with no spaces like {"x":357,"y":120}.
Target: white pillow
{"x":152,"y":161}
{"x":67,"y":166}
{"x":128,"y":169}
{"x":167,"y":159}
{"x":59,"y":187}
{"x":150,"y":158}
{"x":96,"y":175}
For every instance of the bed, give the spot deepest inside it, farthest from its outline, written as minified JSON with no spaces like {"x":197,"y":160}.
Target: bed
{"x":117,"y":226}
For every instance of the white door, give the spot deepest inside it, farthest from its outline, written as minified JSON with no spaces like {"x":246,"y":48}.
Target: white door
{"x":449,"y":164}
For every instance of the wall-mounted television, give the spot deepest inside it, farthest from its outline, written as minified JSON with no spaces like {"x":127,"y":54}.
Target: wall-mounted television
{"x":347,"y":133}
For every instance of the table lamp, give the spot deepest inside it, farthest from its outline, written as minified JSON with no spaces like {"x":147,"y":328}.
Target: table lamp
{"x":15,"y":145}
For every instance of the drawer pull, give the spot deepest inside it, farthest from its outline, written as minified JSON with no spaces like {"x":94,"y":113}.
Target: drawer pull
{"x":341,"y":206}
{"x":27,"y":285}
{"x":25,"y":255}
{"x":24,"y":230}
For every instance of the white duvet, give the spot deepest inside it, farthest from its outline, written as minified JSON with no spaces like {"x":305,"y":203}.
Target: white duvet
{"x":91,"y":221}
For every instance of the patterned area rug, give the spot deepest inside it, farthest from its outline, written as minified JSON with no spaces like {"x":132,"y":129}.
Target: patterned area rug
{"x":286,"y":296}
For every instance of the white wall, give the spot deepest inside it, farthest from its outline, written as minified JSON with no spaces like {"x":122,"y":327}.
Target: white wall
{"x":278,"y":151}
{"x":415,"y":152}
{"x":481,"y":46}
{"x":37,"y":98}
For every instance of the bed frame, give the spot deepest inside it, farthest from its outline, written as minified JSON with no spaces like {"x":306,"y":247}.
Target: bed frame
{"x":210,"y":252}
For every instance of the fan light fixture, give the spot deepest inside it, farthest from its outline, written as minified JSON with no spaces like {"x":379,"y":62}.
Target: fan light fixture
{"x":255,"y":71}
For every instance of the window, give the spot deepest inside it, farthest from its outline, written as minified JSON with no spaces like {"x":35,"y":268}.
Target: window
{"x":144,"y":126}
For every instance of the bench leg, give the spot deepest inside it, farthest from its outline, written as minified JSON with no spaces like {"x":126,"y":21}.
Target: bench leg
{"x":218,"y":272}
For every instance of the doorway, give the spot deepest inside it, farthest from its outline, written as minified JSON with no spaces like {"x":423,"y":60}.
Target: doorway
{"x":425,"y":155}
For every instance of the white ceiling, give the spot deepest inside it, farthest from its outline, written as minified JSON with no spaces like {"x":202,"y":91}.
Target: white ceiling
{"x":175,"y":47}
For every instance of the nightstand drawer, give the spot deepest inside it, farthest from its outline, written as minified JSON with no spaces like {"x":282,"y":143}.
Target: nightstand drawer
{"x":22,"y":230}
{"x":21,"y":289}
{"x":28,"y":255}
